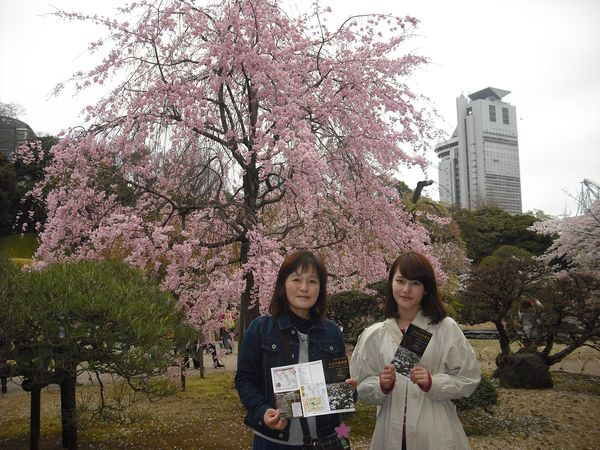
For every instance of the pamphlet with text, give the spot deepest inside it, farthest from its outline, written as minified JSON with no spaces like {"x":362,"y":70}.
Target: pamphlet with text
{"x":312,"y":388}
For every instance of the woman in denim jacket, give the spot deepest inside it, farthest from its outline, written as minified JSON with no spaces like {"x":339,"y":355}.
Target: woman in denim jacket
{"x":298,"y":312}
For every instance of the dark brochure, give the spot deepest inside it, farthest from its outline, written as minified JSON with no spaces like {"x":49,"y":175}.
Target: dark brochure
{"x":411,"y":349}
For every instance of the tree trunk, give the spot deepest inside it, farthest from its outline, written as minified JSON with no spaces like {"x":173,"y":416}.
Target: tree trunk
{"x":67,"y":409}
{"x":548,"y":347}
{"x":247,"y":314}
{"x":503,"y":338}
{"x":34,"y":424}
{"x":200,"y":356}
{"x":182,"y":373}
{"x":251,"y":186}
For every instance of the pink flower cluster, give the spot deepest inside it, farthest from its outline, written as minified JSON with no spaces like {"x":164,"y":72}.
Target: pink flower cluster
{"x":235,"y":133}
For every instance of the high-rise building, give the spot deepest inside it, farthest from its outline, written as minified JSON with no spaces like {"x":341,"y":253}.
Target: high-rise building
{"x":479,"y":164}
{"x":13,"y":133}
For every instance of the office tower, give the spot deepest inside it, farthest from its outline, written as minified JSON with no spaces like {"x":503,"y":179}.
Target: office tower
{"x":13,"y":133}
{"x":479,"y":164}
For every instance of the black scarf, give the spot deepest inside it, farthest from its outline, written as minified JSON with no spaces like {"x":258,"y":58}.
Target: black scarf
{"x":300,"y":324}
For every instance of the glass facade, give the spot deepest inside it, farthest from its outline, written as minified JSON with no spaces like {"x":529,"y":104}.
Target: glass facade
{"x":479,"y":165}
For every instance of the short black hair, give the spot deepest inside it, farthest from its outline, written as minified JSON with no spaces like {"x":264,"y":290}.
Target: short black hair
{"x":303,"y":260}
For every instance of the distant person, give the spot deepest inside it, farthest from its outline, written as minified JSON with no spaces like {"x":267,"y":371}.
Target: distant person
{"x":297,"y":328}
{"x":225,"y":340}
{"x":193,"y":353}
{"x":415,"y":413}
{"x":191,"y":357}
{"x":530,"y":312}
{"x":210,"y":348}
{"x":226,"y":331}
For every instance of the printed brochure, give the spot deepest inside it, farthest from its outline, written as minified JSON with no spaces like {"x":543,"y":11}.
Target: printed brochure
{"x":411,"y":349}
{"x":310,"y":389}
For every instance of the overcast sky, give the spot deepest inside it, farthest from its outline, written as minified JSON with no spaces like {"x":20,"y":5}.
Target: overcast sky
{"x":545,"y":52}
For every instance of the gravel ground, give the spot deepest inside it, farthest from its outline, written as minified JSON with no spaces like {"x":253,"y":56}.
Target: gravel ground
{"x":527,"y":419}
{"x":546,"y":419}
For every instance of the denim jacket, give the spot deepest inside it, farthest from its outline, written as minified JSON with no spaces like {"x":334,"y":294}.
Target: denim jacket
{"x":262,"y":349}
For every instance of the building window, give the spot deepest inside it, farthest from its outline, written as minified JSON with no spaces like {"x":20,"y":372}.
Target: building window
{"x":505,"y":116}
{"x":21,"y":134}
{"x":492,"y":113}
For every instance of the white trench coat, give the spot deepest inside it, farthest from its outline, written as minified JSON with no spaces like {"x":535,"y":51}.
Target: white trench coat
{"x":431,"y":420}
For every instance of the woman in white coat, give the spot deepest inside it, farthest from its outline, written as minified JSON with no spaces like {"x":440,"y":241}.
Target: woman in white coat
{"x":418,"y":412}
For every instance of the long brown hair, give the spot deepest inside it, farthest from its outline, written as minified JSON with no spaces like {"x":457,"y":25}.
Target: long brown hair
{"x":415,"y":266}
{"x":303,"y":260}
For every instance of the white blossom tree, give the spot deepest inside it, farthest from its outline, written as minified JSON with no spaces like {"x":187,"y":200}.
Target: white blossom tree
{"x":577,"y":242}
{"x":575,"y":256}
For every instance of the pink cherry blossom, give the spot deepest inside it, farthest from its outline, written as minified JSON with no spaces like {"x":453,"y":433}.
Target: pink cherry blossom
{"x":233,"y":133}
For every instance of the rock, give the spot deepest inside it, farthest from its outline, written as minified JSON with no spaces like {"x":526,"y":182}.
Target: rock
{"x":524,"y":369}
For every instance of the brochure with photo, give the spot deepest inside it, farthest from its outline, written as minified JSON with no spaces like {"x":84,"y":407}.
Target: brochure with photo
{"x":411,"y":349}
{"x":309,"y":389}
{"x":289,"y":404}
{"x":341,"y":395}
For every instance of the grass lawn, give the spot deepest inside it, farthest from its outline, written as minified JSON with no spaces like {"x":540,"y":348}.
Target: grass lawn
{"x":208,"y":415}
{"x":19,"y":248}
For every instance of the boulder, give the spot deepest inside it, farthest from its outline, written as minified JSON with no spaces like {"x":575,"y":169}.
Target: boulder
{"x":524,"y":369}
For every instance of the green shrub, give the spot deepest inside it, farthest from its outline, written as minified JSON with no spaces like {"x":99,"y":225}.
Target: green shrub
{"x":355,"y":311}
{"x":485,"y":396}
{"x":106,"y":314}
